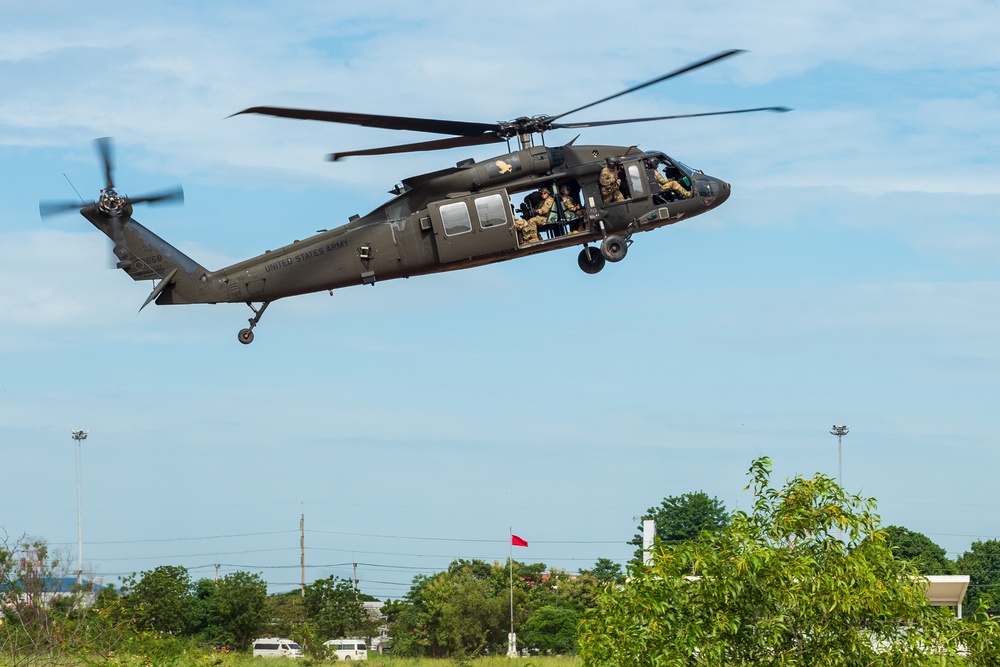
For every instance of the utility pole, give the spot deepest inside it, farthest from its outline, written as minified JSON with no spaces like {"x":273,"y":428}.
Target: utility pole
{"x":79,"y":436}
{"x":302,"y":551}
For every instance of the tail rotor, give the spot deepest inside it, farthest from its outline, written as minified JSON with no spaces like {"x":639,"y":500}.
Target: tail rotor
{"x":110,"y":203}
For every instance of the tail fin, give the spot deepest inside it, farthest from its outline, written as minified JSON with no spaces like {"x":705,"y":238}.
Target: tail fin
{"x":139,"y":252}
{"x":145,"y":256}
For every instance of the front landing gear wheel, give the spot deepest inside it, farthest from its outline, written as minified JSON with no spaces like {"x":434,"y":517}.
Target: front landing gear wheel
{"x":590,"y":260}
{"x":245,"y":336}
{"x":614,"y":248}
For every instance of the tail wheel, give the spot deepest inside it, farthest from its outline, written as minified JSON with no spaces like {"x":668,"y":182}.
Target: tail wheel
{"x":590,"y":260}
{"x":614,"y":248}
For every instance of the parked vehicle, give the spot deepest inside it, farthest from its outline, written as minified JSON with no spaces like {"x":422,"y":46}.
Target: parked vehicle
{"x":351,"y":648}
{"x":276,"y":647}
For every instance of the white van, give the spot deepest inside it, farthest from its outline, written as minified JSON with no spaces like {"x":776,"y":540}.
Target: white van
{"x":348,"y":649}
{"x":276,"y":647}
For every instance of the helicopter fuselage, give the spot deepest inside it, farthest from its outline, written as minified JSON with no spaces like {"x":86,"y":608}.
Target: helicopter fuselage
{"x":454,"y":219}
{"x":525,"y":202}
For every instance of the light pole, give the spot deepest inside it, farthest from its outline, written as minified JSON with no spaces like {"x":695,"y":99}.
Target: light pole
{"x":840,"y":432}
{"x":79,"y":436}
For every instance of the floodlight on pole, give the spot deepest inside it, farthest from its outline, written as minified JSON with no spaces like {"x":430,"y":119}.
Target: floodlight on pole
{"x":840,"y":432}
{"x":79,"y":436}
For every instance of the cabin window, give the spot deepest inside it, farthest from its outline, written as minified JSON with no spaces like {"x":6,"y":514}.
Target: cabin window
{"x":491,"y":211}
{"x":636,"y":176}
{"x":455,"y":218}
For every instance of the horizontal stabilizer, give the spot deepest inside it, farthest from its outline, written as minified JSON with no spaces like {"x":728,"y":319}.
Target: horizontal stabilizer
{"x":167,"y":281}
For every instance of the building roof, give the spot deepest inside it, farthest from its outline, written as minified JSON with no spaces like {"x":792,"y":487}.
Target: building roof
{"x":946,"y":590}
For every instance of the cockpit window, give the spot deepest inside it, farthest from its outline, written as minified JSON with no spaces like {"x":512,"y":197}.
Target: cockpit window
{"x":688,"y":171}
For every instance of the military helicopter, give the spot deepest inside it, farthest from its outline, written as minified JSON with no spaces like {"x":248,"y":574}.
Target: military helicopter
{"x":597,"y":197}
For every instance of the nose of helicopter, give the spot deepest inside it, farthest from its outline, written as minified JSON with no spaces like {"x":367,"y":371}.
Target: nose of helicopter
{"x":723,"y":189}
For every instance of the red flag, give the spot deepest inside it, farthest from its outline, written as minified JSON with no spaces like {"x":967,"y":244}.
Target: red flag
{"x":517,"y":541}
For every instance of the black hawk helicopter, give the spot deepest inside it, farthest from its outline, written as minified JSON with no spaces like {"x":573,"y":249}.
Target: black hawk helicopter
{"x":597,"y":197}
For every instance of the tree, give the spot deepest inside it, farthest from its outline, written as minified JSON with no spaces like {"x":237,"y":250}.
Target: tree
{"x":200,"y":622}
{"x":982,"y":564}
{"x":464,"y":612}
{"x":160,"y":600}
{"x":287,"y":615}
{"x":43,"y":612}
{"x":333,"y":608}
{"x":780,"y":586}
{"x":605,"y":570}
{"x":239,"y":609}
{"x":551,"y":630}
{"x":925,"y":555}
{"x":684,"y":517}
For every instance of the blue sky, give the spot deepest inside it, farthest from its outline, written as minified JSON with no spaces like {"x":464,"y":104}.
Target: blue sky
{"x":851,"y":278}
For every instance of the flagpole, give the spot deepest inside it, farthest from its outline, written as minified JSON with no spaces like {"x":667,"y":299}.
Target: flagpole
{"x":510,"y":564}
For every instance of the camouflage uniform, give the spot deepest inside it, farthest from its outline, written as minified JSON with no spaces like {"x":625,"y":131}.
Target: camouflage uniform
{"x":610,"y":183}
{"x":543,"y":210}
{"x":573,"y":212}
{"x":527,"y":230}
{"x":672,"y":185}
{"x":529,"y":227}
{"x":571,"y":207}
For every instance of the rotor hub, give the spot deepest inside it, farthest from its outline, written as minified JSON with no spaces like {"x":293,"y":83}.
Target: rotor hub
{"x":112,"y":203}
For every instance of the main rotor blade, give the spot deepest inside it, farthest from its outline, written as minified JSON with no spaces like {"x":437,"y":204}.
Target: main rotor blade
{"x":623,"y":121}
{"x":693,"y":66}
{"x":437,"y":144}
{"x":104,"y":148}
{"x":167,"y":196}
{"x":433,"y":125}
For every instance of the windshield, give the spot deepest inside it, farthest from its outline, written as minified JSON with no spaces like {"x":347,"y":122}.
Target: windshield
{"x":667,"y":161}
{"x":683,"y":167}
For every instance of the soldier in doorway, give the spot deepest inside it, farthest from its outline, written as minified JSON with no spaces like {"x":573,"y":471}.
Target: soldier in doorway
{"x":610,"y":185}
{"x":529,"y":227}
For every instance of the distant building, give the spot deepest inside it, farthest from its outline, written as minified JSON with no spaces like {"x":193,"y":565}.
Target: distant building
{"x":947,"y":590}
{"x":379,"y":642}
{"x":46,"y":590}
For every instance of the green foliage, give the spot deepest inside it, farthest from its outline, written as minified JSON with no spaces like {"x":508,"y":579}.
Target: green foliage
{"x":683,"y":517}
{"x":160,"y":600}
{"x":334,"y":609}
{"x":606,"y":570}
{"x":286,"y":615}
{"x":551,"y":630}
{"x":239,"y":609}
{"x":42,"y":621}
{"x":916,"y":547}
{"x":462,"y":612}
{"x":982,"y":564}
{"x":806,"y":578}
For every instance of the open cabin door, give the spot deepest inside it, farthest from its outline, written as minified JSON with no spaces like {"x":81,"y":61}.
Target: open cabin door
{"x":473,"y":226}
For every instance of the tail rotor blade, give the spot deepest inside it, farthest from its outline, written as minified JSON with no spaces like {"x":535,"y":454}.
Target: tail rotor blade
{"x":49,"y":208}
{"x":104,"y":148}
{"x":174,"y":195}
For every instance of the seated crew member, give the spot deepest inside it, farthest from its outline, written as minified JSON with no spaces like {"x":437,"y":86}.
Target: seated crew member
{"x":670,"y":184}
{"x":529,"y":227}
{"x":573,"y":211}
